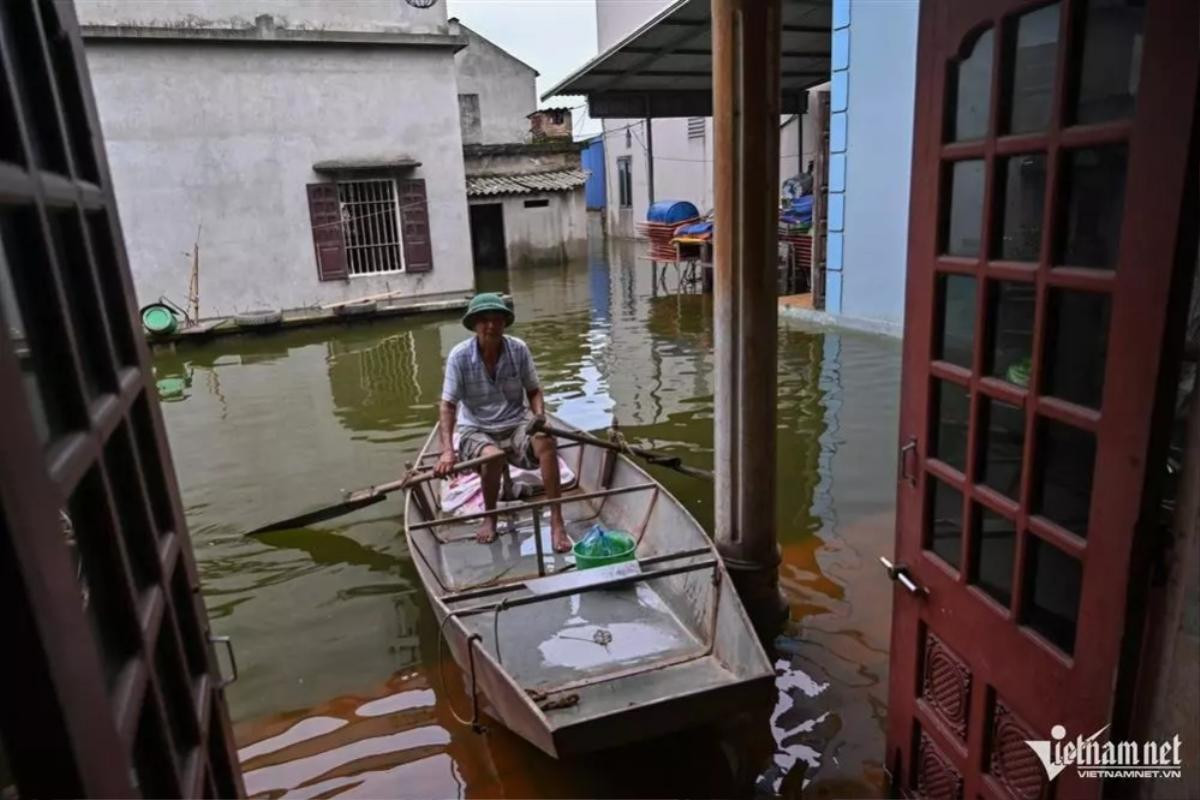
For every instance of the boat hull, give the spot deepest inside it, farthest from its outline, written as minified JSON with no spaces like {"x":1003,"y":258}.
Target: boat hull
{"x":654,"y":648}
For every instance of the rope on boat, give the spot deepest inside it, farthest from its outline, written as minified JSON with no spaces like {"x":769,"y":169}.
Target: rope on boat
{"x":473,"y":722}
{"x":503,"y":604}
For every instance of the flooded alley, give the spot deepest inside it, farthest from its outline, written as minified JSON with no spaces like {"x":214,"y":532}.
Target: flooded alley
{"x":339,"y":690}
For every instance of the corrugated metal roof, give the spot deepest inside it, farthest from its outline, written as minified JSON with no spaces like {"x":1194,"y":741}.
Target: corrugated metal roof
{"x":560,"y":180}
{"x":664,"y":68}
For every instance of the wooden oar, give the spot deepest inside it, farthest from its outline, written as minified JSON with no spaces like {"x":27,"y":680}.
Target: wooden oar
{"x":658,"y":459}
{"x":361,"y":498}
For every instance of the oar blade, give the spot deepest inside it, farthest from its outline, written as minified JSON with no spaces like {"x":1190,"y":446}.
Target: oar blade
{"x":319,"y":515}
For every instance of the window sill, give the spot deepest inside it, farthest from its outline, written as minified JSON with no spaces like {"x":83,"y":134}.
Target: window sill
{"x":377,"y":274}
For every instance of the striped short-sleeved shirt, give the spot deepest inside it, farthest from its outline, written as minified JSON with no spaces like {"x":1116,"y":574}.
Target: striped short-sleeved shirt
{"x":484,"y":402}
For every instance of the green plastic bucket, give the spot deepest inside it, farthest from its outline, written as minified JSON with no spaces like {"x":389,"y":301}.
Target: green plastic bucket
{"x":584,"y":560}
{"x":159,"y":319}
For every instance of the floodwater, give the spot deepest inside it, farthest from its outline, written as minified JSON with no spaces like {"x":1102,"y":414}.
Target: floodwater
{"x":339,"y":690}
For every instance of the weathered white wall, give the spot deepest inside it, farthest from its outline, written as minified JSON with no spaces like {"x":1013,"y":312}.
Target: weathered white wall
{"x":344,"y":15}
{"x":878,"y":163}
{"x":505,"y":85}
{"x":552,"y":234}
{"x":225,"y":137}
{"x":615,"y":20}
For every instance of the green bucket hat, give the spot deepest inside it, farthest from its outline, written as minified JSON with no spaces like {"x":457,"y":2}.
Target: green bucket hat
{"x":482,"y":303}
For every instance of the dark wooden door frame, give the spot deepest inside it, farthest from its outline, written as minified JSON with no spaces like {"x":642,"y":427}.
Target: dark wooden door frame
{"x":1078,"y":690}
{"x":126,"y":701}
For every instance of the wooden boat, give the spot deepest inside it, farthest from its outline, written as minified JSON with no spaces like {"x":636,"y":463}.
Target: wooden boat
{"x":578,"y":660}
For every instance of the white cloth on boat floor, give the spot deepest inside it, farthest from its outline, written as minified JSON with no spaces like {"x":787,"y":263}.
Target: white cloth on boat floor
{"x":463,"y":493}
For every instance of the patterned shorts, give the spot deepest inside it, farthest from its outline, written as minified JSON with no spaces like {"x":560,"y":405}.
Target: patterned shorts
{"x":516,"y":443}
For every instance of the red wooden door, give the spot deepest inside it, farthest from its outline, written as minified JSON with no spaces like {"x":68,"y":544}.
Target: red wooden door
{"x":1050,"y":163}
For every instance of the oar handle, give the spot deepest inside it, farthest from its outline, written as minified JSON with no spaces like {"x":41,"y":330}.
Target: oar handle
{"x":671,"y":462}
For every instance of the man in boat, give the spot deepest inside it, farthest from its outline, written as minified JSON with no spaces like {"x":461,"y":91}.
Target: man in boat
{"x":488,"y":380}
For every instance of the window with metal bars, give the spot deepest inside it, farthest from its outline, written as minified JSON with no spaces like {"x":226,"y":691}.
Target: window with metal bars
{"x":371,"y":226}
{"x":625,"y":181}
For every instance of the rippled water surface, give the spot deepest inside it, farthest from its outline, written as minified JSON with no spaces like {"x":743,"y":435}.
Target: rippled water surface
{"x":340,"y":692}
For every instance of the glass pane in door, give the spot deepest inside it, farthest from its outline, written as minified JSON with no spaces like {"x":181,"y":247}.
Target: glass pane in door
{"x":1066,"y":460}
{"x":994,"y":553}
{"x":1112,"y":57}
{"x":1003,"y":447}
{"x":971,"y":92}
{"x":1052,"y":592}
{"x":1011,"y":309}
{"x":1021,"y":194}
{"x":950,"y":431}
{"x":1031,"y":64}
{"x":944,"y":536}
{"x":957,"y":319}
{"x":965,"y":215}
{"x":1094,"y":185}
{"x":1077,"y":347}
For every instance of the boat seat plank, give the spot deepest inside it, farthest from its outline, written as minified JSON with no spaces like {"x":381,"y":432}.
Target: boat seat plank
{"x":694,"y":677}
{"x":585,"y":635}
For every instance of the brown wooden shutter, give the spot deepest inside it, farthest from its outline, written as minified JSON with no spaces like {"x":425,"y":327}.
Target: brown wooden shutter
{"x":325,"y":212}
{"x":414,"y":215}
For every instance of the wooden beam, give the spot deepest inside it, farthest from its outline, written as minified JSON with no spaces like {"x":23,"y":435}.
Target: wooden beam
{"x":747,"y":102}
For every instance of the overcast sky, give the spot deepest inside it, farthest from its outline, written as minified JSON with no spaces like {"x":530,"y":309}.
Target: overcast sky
{"x":555,"y":37}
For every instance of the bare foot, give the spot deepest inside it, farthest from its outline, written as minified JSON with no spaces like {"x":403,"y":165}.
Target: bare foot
{"x":562,"y":542}
{"x":487,"y":531}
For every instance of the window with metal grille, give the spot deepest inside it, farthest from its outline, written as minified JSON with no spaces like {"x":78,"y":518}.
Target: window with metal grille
{"x":696,"y":127}
{"x":625,"y":181}
{"x":371,"y":226}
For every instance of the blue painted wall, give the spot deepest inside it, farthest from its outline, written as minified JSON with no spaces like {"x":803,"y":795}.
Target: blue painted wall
{"x":593,"y":161}
{"x":874,"y":97}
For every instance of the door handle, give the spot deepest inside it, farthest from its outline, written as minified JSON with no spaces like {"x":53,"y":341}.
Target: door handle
{"x":907,"y":456}
{"x":899,"y":573}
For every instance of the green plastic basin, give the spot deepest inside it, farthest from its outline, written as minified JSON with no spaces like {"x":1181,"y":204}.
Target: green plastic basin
{"x":585,"y":561}
{"x":159,"y":319}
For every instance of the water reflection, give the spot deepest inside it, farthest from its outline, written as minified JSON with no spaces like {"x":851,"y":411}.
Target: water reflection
{"x":276,"y":423}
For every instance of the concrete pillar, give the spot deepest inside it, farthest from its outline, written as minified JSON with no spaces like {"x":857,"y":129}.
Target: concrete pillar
{"x":746,"y":103}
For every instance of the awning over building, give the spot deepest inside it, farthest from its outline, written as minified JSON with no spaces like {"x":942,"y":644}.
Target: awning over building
{"x":561,"y":180}
{"x":664,"y":69}
{"x":370,"y":163}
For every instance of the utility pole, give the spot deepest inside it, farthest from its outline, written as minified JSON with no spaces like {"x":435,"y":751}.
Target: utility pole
{"x":746,"y":105}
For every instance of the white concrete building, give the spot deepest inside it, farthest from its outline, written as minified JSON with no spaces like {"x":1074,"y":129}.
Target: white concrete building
{"x":525,"y":180}
{"x":313,"y":148}
{"x":496,"y":92}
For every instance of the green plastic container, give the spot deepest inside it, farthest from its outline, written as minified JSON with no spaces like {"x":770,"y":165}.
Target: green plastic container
{"x":586,"y":559}
{"x":159,"y":319}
